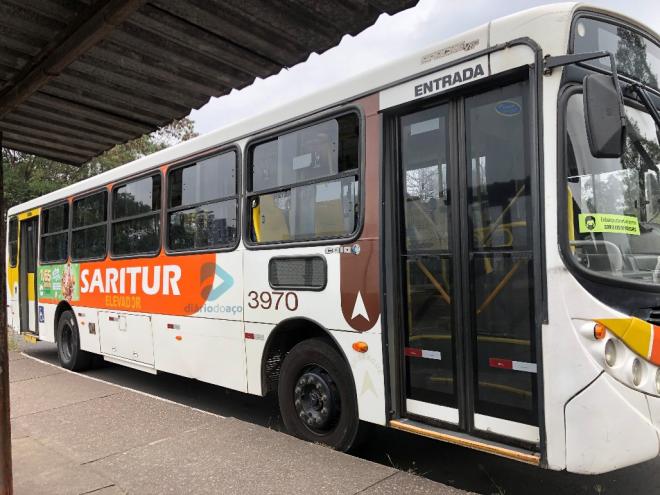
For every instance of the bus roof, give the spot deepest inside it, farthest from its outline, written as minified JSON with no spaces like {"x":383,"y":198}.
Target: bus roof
{"x":547,"y":25}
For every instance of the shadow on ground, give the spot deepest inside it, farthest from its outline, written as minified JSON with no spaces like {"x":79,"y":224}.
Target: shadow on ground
{"x":451,"y":465}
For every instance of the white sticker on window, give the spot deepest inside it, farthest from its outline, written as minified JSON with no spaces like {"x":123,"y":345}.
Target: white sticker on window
{"x":302,"y":161}
{"x":425,"y":126}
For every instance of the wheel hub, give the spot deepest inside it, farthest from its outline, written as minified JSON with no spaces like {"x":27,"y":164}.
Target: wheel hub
{"x":315,"y":399}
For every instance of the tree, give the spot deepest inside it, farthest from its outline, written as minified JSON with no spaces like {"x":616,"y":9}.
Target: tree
{"x":28,"y":176}
{"x":631,"y":57}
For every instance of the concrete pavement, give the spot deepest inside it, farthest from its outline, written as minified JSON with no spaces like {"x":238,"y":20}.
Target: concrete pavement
{"x":72,"y":434}
{"x":463,"y":469}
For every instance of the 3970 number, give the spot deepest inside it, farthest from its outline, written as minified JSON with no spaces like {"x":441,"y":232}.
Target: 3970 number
{"x":273,"y":300}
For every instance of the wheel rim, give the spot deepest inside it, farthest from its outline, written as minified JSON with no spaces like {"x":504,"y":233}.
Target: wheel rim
{"x":66,"y":342}
{"x":316,"y":399}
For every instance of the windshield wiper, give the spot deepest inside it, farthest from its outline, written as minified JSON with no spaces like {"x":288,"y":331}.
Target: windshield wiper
{"x":648,"y":103}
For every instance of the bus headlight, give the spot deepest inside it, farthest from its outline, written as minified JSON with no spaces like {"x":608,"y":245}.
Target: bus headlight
{"x":637,"y":372}
{"x":610,"y":353}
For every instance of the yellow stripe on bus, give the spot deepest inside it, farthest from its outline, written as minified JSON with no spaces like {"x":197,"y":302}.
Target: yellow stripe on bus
{"x":635,"y":333}
{"x":29,"y":214}
{"x":30,"y":288}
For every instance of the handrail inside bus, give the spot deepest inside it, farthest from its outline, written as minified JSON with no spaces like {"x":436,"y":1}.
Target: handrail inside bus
{"x":499,"y":386}
{"x":505,"y":280}
{"x":610,"y":247}
{"x":481,"y":338}
{"x":571,"y":220}
{"x":441,"y":290}
{"x":256,"y":213}
{"x":507,"y":229}
{"x":493,"y":226}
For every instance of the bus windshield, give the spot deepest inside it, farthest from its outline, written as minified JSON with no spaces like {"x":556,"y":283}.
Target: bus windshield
{"x":635,"y":55}
{"x":614,"y":204}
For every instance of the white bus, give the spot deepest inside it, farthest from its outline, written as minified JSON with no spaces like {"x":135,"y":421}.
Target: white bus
{"x":463,"y":244}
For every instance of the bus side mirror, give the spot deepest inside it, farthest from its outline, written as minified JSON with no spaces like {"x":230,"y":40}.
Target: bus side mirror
{"x":603,"y":116}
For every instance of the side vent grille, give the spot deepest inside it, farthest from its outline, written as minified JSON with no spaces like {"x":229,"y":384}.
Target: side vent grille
{"x":297,"y":273}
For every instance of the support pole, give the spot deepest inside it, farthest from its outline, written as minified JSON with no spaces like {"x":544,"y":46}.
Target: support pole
{"x":6,"y":485}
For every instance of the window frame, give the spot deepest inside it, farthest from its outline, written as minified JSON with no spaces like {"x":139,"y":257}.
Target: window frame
{"x":158,"y":214}
{"x":13,"y":218}
{"x":237,"y":197}
{"x":289,"y":127}
{"x":59,"y":232}
{"x":73,"y":229}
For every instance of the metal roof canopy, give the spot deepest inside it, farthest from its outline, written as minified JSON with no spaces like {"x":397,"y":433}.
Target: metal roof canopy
{"x":80,"y":76}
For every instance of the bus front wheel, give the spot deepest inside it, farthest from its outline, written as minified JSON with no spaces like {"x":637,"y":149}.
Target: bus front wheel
{"x":317,"y":396}
{"x":68,"y":344}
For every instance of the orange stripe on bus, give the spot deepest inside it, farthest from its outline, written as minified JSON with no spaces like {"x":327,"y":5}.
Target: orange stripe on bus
{"x":655,"y":351}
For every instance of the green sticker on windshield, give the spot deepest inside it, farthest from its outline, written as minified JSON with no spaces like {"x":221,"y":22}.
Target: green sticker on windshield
{"x":608,"y":223}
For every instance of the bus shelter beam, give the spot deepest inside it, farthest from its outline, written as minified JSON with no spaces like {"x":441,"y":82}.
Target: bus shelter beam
{"x":6,"y":485}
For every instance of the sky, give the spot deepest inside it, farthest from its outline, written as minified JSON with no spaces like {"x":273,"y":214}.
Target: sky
{"x":391,"y":37}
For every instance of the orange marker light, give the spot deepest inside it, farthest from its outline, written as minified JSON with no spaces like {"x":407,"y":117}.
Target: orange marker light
{"x":178,"y":337}
{"x":599,"y":331}
{"x":360,"y":346}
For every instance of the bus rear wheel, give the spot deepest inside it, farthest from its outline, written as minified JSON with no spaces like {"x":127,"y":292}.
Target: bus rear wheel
{"x":317,"y":396}
{"x":68,"y":344}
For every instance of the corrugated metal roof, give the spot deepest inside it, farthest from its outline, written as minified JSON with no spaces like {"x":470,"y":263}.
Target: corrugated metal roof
{"x":79,"y":76}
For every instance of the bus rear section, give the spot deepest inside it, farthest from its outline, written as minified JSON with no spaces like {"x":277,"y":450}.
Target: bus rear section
{"x":22,"y":241}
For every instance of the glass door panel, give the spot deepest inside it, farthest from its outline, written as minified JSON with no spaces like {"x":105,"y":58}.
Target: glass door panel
{"x":500,"y":253}
{"x":503,"y":316}
{"x":428,"y":265}
{"x":429,"y":346}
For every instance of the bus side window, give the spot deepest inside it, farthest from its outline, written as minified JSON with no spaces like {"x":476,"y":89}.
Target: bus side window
{"x":89,"y":227}
{"x":305,"y":183}
{"x":136,"y":217}
{"x":13,"y":241}
{"x":203,"y":204}
{"x":55,"y":234}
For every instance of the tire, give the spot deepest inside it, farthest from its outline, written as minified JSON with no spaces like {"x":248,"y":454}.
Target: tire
{"x":68,"y":344}
{"x":317,"y":396}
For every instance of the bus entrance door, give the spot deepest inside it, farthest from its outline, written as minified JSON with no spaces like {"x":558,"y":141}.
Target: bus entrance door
{"x":27,"y":281}
{"x":466,"y":265}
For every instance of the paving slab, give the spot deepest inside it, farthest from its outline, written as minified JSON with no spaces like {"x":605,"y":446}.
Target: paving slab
{"x":15,"y":356}
{"x":28,"y":369}
{"x":408,"y":484}
{"x":236,"y":457}
{"x":18,"y":431}
{"x":39,"y":470}
{"x":89,"y":430}
{"x":49,"y":392}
